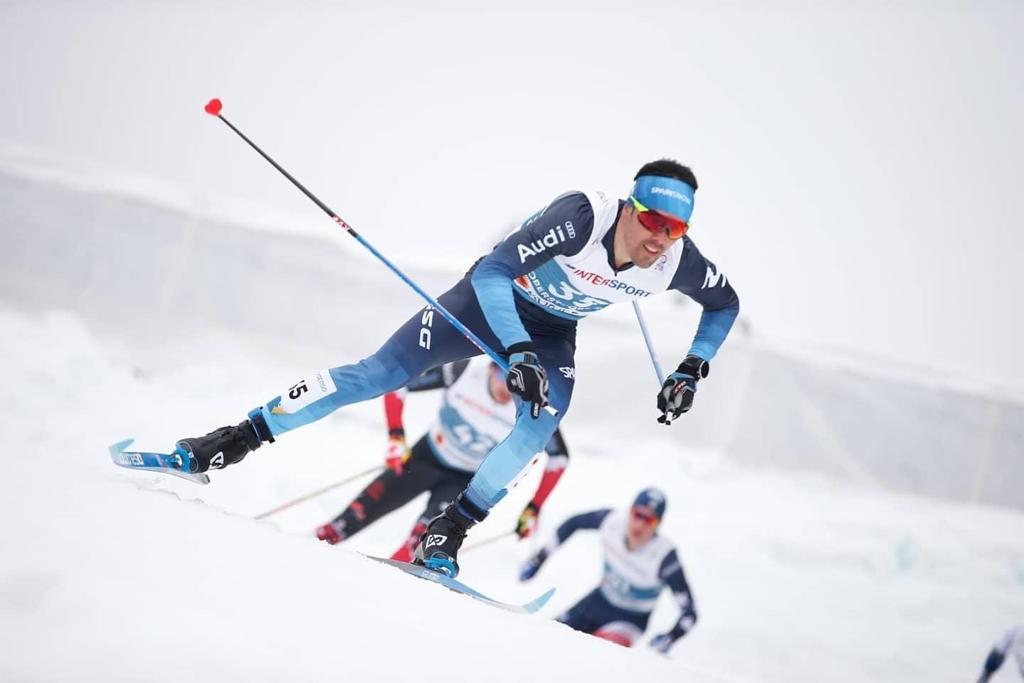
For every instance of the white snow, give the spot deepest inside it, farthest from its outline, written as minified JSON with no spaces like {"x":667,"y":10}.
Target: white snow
{"x":846,"y":494}
{"x":113,"y":575}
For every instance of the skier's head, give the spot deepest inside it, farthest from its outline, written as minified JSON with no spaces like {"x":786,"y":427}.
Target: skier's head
{"x":497,"y":386}
{"x":658,"y":211}
{"x":650,"y":502}
{"x":644,"y":516}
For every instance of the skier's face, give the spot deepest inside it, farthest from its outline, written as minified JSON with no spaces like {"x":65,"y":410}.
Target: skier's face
{"x":641,"y":246}
{"x":496,"y":383}
{"x":641,"y":528}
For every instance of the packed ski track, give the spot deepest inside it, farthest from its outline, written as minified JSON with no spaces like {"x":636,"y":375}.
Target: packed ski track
{"x":116,"y":575}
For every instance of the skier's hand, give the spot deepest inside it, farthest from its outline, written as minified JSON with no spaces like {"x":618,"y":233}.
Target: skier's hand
{"x":328,"y":532}
{"x":662,"y":643}
{"x":676,"y":395}
{"x":532,"y":565}
{"x":528,"y":380}
{"x":527,"y":523}
{"x":398,"y":454}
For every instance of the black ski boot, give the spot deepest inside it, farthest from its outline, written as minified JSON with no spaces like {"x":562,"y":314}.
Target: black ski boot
{"x":439,"y":545}
{"x":224,"y":446}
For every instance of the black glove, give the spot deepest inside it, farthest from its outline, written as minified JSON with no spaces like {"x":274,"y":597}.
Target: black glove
{"x":676,"y":395}
{"x":527,"y":378}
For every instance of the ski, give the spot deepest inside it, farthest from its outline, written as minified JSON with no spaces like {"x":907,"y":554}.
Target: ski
{"x":459,"y":587}
{"x":165,"y":463}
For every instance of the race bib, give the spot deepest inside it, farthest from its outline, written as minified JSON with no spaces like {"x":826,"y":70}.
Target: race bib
{"x":307,"y":391}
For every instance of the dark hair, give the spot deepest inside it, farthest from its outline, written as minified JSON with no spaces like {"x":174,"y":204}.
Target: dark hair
{"x":668,"y":168}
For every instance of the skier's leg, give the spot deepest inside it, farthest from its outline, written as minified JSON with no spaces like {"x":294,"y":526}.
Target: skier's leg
{"x":442,"y":493}
{"x":529,"y":436}
{"x":622,"y":626}
{"x":424,"y":341}
{"x":621,"y":632}
{"x":445,"y":534}
{"x":383,"y":495}
{"x":581,"y":616}
{"x":594,"y":614}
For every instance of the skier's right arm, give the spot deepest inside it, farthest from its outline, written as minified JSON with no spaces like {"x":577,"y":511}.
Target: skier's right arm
{"x":563,"y":227}
{"x":586,"y":520}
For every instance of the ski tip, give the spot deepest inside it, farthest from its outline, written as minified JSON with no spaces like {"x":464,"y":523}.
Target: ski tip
{"x":535,"y":605}
{"x":120,"y":446}
{"x":213,"y":107}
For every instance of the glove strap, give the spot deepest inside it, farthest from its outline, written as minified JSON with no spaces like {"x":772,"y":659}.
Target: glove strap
{"x":694,"y":366}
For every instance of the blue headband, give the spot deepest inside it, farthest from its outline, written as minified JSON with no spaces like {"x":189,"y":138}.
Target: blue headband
{"x":667,"y":195}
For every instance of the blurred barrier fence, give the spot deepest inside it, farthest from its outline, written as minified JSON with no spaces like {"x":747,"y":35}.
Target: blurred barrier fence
{"x":117,"y":260}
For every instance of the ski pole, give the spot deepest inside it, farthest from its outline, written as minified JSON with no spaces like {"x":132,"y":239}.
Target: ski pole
{"x":213,"y":108}
{"x":314,"y":494}
{"x":650,"y":344}
{"x":486,"y":541}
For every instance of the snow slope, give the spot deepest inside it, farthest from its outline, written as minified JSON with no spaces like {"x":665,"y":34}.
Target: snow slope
{"x":112,"y":575}
{"x":139,"y":319}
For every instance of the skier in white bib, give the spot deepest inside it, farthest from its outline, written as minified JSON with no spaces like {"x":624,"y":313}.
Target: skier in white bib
{"x":477,"y":411}
{"x":638,"y":564}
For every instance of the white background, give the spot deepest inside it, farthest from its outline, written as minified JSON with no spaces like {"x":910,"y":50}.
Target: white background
{"x":858,"y":162}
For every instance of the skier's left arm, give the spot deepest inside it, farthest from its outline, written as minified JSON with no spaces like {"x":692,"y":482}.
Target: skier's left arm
{"x":586,"y":520}
{"x":671,"y":574}
{"x":558,"y":460}
{"x":701,"y":280}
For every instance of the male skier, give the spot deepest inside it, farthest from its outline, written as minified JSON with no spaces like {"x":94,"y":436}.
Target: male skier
{"x":476,"y":413}
{"x":581,"y":253}
{"x":638,"y":563}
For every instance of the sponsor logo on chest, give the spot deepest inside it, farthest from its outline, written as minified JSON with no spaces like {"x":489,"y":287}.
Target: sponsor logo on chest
{"x":554,"y":236}
{"x":612,"y":283}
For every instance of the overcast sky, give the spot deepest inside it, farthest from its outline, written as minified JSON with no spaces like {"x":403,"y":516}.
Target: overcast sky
{"x":859,"y":162}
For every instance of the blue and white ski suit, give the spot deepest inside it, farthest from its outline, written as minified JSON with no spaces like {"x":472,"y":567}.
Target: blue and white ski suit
{"x":535,"y":286}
